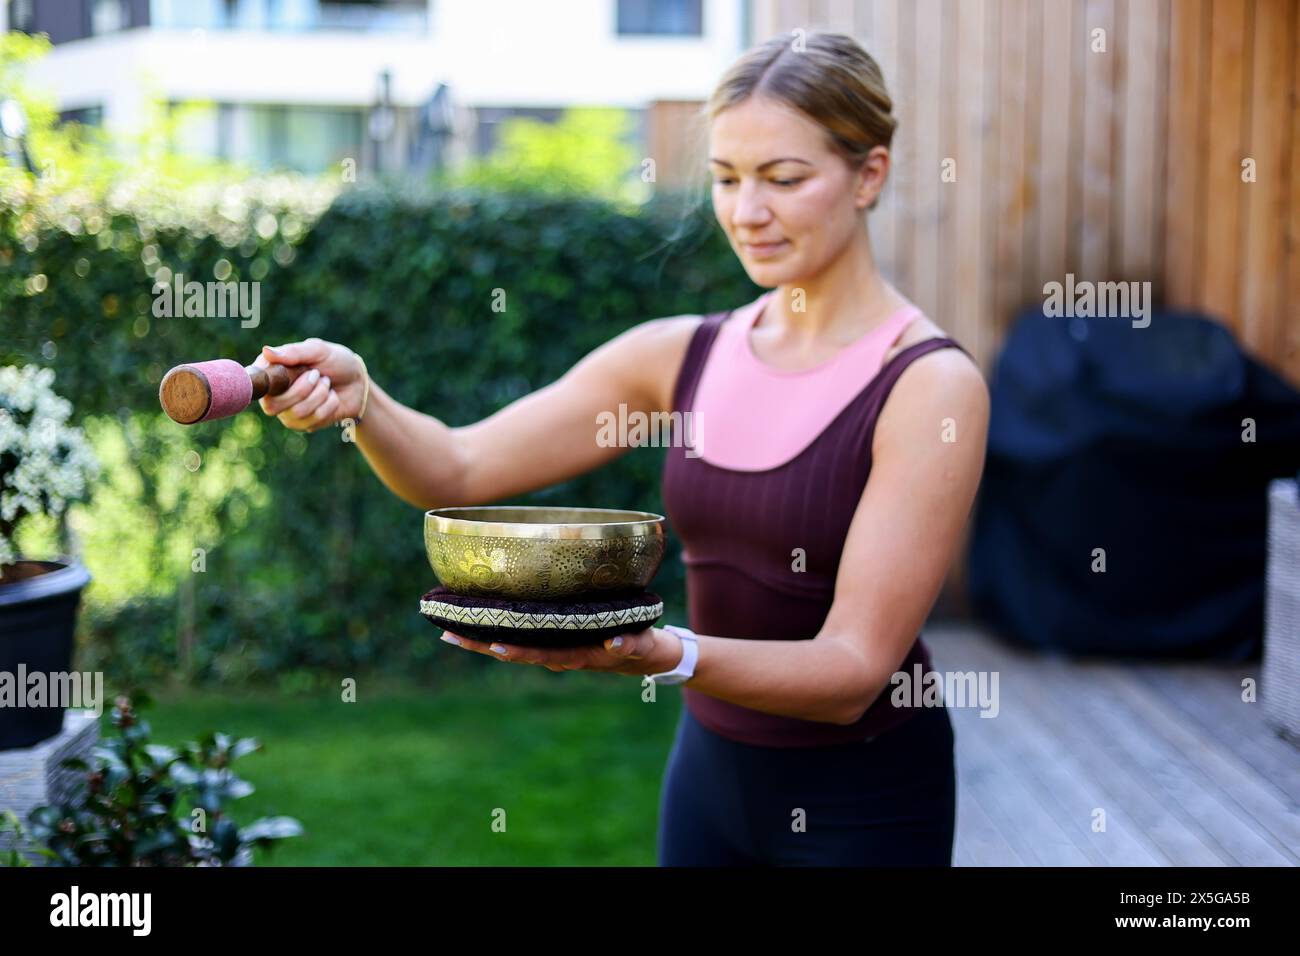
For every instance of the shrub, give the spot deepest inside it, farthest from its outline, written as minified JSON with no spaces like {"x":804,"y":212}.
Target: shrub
{"x":307,"y":561}
{"x":146,"y":804}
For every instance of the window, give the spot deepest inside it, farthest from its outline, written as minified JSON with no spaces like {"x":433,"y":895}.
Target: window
{"x":86,"y":116}
{"x":305,"y":138}
{"x":396,"y":16}
{"x":663,"y":17}
{"x":107,"y":16}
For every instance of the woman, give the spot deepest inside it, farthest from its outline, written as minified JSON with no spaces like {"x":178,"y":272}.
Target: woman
{"x":807,"y":583}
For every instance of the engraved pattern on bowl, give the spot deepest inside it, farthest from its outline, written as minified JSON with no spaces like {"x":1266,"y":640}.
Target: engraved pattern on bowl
{"x":543,"y":553}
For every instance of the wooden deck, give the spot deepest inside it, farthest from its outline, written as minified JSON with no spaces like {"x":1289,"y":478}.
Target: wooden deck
{"x":1187,"y":774}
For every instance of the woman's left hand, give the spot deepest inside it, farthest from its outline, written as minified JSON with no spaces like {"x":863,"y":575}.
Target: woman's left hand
{"x":651,"y":651}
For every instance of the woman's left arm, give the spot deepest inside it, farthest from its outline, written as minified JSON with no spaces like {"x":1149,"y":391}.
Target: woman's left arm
{"x":927,"y":458}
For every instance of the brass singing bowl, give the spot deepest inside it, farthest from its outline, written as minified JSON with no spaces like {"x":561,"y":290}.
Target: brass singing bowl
{"x":541,"y":553}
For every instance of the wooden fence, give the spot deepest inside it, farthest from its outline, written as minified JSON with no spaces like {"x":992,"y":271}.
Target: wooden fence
{"x":1149,"y":140}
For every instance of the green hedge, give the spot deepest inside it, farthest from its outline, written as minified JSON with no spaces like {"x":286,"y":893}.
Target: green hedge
{"x":312,"y":566}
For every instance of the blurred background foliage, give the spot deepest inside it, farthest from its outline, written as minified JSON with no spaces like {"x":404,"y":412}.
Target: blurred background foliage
{"x":274,"y":555}
{"x":80,"y":160}
{"x":587,"y":152}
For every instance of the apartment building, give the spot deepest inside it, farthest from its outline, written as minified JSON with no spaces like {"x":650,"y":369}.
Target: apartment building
{"x":410,"y":84}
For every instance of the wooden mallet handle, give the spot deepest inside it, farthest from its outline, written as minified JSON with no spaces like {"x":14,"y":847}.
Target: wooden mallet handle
{"x":203,"y":391}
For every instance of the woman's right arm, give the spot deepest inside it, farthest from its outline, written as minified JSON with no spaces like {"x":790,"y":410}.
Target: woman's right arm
{"x":542,"y":438}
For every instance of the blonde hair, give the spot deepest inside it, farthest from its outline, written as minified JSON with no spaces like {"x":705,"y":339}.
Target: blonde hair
{"x":828,"y":77}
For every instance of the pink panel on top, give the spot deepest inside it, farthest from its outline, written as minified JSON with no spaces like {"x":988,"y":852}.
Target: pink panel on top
{"x":750,"y":416}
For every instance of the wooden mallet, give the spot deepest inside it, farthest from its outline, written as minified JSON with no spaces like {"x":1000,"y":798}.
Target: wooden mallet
{"x":203,"y":391}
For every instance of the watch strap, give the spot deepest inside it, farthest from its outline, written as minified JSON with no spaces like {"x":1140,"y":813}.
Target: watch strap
{"x":685,"y":668}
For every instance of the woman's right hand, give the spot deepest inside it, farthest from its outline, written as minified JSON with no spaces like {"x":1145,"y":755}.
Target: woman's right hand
{"x":330,"y":391}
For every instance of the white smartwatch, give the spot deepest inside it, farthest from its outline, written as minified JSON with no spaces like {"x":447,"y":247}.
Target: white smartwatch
{"x":685,"y":668}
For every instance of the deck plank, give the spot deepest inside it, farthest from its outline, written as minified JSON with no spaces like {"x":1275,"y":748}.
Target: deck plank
{"x":978,"y":842}
{"x":1236,"y":785}
{"x":1187,"y":773}
{"x":1212,"y":699}
{"x":977,"y":802}
{"x":1062,"y":781}
{"x":1128,"y":798}
{"x":1174,"y":778}
{"x":1026,"y":827}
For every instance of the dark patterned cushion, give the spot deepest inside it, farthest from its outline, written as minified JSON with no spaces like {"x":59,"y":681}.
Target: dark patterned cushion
{"x":573,"y":623}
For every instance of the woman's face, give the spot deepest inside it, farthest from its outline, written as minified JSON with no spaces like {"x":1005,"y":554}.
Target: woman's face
{"x":788,"y":204}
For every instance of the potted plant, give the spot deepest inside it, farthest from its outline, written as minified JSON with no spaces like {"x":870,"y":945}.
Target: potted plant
{"x":44,"y":465}
{"x":145,"y":804}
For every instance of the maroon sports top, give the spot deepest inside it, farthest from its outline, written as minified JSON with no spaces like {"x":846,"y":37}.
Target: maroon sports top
{"x":739,"y":530}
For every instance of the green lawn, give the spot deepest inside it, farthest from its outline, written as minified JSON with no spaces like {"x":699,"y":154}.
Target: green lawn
{"x":407,"y":776}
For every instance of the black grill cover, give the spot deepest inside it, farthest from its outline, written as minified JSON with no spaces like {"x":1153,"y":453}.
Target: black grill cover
{"x":1130,"y":440}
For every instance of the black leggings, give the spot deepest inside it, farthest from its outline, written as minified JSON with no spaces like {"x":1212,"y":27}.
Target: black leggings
{"x":890,"y":801}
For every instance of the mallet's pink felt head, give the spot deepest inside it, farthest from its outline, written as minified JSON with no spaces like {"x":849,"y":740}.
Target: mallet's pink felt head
{"x":232,"y":389}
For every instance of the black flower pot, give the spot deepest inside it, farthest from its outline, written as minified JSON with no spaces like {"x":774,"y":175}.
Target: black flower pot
{"x":38,"y":616}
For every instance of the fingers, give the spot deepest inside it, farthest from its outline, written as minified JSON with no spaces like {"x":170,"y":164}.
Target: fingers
{"x":295,"y":393}
{"x":309,"y":414}
{"x":633,"y":646}
{"x":307,"y":352}
{"x":301,"y":418}
{"x":315,"y":398}
{"x":598,"y":657}
{"x":553,"y":659}
{"x":327,"y":412}
{"x":507,"y":652}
